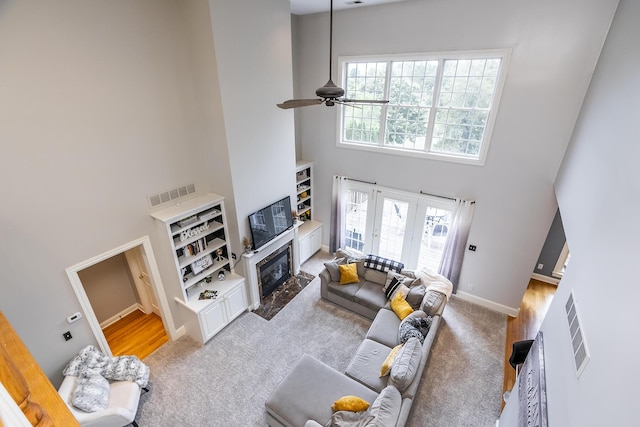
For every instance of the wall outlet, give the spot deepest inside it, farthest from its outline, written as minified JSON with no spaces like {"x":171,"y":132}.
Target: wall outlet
{"x":233,"y":255}
{"x":473,"y":248}
{"x":540,"y":266}
{"x":470,"y":286}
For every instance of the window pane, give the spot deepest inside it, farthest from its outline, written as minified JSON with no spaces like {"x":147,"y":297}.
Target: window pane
{"x":434,"y":235}
{"x":356,"y":219}
{"x":394,"y":221}
{"x":362,"y":124}
{"x":365,"y":80}
{"x":407,"y":127}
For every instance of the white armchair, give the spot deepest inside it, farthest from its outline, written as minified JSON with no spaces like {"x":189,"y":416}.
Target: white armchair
{"x":123,"y":404}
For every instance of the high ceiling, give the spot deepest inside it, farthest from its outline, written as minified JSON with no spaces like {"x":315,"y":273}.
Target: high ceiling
{"x":304,"y":7}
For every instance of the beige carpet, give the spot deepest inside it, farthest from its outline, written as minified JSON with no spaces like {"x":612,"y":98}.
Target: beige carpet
{"x":226,"y":382}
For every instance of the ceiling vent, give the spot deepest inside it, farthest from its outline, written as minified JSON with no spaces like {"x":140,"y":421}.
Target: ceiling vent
{"x":170,"y":195}
{"x":579,"y":344}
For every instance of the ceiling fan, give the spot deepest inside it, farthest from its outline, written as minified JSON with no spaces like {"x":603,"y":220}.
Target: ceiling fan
{"x":329,"y":94}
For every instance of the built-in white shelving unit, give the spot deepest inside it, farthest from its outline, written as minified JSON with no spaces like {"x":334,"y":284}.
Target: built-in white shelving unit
{"x":309,"y":230}
{"x":198,"y":240}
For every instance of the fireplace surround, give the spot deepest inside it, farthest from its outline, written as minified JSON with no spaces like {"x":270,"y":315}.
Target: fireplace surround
{"x":250,"y":261}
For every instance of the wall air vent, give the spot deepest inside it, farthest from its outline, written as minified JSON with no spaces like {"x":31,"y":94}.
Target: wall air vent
{"x":170,"y":195}
{"x":579,"y":344}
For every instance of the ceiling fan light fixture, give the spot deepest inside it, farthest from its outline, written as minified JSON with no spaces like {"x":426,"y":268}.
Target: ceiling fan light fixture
{"x":330,"y":94}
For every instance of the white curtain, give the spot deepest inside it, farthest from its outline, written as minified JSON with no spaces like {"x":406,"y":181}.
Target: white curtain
{"x":456,"y":243}
{"x":338,"y":199}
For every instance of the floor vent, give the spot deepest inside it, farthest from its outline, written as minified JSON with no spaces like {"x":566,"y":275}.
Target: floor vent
{"x":170,"y":195}
{"x":579,"y":344}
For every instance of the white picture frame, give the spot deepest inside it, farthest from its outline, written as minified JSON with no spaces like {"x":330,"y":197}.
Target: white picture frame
{"x":201,"y":264}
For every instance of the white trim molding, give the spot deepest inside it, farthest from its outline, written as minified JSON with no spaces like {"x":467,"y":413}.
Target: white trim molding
{"x":509,"y":311}
{"x":546,"y":279}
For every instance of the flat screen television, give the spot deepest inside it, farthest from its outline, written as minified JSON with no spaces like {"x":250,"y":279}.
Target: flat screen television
{"x":268,"y":223}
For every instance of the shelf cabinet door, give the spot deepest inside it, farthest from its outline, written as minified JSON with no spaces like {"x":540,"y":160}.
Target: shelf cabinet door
{"x":236,"y":301}
{"x":212,"y":320}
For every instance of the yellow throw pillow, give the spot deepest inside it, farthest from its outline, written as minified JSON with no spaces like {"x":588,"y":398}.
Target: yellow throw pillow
{"x":350,"y":403}
{"x":348,"y":273}
{"x":400,"y":306}
{"x":386,"y":366}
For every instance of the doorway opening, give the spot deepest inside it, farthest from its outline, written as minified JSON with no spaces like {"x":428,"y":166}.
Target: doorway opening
{"x":123,"y":300}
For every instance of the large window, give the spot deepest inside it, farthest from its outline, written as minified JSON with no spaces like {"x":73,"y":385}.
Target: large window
{"x":440,"y":105}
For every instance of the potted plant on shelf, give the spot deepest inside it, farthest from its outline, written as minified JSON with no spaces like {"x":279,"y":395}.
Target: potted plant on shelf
{"x":247,"y":245}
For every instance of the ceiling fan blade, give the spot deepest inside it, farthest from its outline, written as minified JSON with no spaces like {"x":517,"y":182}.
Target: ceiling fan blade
{"x":364,"y":101}
{"x":295,"y":103}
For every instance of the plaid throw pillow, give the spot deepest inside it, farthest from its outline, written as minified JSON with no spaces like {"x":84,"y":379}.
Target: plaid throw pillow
{"x":382,"y":264}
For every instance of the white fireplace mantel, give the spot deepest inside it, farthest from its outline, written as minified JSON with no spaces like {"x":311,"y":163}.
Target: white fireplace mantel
{"x":250,"y":260}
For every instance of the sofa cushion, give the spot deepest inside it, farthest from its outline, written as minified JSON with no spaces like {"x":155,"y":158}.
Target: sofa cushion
{"x":386,"y":408}
{"x":376,"y":262}
{"x":308,"y":390}
{"x":375,"y":276}
{"x":347,"y":291}
{"x":384,"y":328}
{"x":348,"y":274}
{"x":334,"y":269}
{"x":366,"y":362}
{"x":405,"y":365}
{"x":400,"y":306}
{"x":431,"y":302}
{"x":369,"y":295}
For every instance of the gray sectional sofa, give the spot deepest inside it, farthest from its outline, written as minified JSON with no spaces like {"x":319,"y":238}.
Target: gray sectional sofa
{"x":305,"y":396}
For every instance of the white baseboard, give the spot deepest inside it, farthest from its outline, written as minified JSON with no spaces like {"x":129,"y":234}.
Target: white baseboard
{"x":180,"y":332}
{"x":546,"y":279}
{"x":113,"y":319}
{"x":509,"y":311}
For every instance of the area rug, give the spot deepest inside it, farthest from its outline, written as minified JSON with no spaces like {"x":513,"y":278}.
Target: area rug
{"x":279,"y":298}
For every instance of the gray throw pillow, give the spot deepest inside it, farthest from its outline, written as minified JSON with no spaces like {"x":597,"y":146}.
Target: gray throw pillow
{"x":386,"y":408}
{"x":405,"y":365}
{"x":333,"y":269}
{"x":431,"y":302}
{"x":415,"y":296}
{"x":351,"y":419}
{"x":91,"y":393}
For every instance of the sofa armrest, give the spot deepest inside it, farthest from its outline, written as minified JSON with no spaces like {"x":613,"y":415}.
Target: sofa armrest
{"x":312,"y":423}
{"x":325,"y":279}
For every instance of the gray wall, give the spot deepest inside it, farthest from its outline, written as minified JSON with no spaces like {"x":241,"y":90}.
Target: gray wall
{"x":600,"y":171}
{"x":104,"y":103}
{"x":109,"y":287}
{"x":554,"y":51}
{"x":552,"y":248}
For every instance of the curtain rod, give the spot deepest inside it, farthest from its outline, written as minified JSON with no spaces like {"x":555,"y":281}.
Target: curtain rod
{"x":442,"y":197}
{"x":359,"y":180}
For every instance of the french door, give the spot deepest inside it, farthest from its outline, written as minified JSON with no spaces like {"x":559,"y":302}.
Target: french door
{"x":394,"y":224}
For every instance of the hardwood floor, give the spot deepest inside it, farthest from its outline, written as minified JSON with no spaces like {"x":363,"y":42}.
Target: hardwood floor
{"x":534,"y":306}
{"x":136,"y":334}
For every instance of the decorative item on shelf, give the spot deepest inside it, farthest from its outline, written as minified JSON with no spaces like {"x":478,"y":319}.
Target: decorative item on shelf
{"x":247,"y":244}
{"x":219,"y":254}
{"x":183,"y":273}
{"x":186,"y":221}
{"x":294,"y":215}
{"x":208,"y":294}
{"x":221,"y":275}
{"x":186,"y":234}
{"x":201,"y":264}
{"x":208,"y":215}
{"x":303,"y":194}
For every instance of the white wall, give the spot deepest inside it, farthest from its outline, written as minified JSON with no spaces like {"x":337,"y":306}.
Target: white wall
{"x":555,"y":48}
{"x":253,"y":49}
{"x":597,"y":188}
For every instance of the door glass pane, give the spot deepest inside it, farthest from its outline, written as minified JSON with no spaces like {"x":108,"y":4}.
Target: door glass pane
{"x":356,"y":219}
{"x":434,"y":234}
{"x":392,"y":227}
